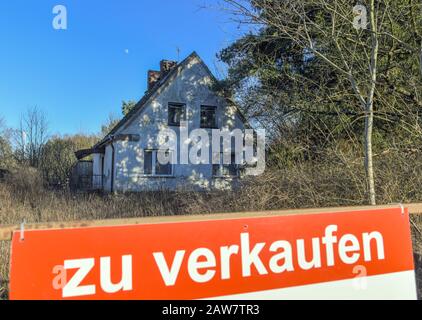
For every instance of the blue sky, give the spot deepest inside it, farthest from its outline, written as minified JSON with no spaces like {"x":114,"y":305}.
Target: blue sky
{"x":80,"y":75}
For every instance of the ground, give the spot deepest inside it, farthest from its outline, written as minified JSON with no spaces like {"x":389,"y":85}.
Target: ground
{"x":298,"y":187}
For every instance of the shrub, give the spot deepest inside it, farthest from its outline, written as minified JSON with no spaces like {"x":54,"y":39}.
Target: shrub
{"x":26,"y":184}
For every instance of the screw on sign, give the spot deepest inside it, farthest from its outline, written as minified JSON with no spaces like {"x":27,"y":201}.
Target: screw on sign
{"x":358,"y":254}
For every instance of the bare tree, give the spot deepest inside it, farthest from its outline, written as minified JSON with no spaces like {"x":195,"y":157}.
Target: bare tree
{"x":31,"y":136}
{"x":327,"y":30}
{"x":111,"y":121}
{"x":2,"y":125}
{"x":5,"y":147}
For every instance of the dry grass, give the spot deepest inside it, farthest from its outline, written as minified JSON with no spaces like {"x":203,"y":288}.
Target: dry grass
{"x":417,"y":249}
{"x":335,"y":182}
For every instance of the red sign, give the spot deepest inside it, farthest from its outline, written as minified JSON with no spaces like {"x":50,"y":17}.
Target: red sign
{"x":358,"y":254}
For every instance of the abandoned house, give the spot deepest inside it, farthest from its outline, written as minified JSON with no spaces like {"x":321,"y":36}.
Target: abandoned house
{"x":126,"y":158}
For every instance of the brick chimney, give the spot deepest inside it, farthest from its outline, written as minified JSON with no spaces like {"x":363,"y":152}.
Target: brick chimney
{"x":166,"y":66}
{"x":153,"y":77}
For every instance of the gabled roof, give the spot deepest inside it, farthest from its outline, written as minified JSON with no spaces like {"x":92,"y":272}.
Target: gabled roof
{"x":150,"y":93}
{"x":143,"y":102}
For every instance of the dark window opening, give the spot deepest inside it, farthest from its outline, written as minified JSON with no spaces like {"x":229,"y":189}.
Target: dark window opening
{"x":176,"y":113}
{"x":148,"y":161}
{"x":232,"y":168}
{"x":226,"y":170}
{"x":208,"y":117}
{"x":152,"y":165}
{"x":163,"y":169}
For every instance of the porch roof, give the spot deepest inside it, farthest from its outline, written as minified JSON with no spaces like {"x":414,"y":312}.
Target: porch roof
{"x":80,"y":154}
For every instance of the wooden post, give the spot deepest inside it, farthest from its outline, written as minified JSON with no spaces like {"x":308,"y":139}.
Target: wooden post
{"x":7,"y":230}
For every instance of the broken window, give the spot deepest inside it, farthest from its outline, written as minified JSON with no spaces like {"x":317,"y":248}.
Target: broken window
{"x":208,"y":117}
{"x":166,"y":168}
{"x":226,"y":170}
{"x":176,"y":113}
{"x":152,"y":165}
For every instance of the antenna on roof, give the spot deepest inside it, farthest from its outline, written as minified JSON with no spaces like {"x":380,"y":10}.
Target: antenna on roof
{"x":178,"y":53}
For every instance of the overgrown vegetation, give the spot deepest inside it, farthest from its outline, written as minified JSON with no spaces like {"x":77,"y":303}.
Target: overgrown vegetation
{"x":337,"y":181}
{"x":314,"y":80}
{"x":341,"y":108}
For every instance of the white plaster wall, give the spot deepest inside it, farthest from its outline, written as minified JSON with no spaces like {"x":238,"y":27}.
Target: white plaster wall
{"x":191,"y":87}
{"x":96,"y":164}
{"x":96,"y":169}
{"x":107,"y":168}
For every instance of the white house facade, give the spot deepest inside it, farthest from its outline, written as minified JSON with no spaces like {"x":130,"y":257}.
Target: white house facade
{"x":126,"y":160}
